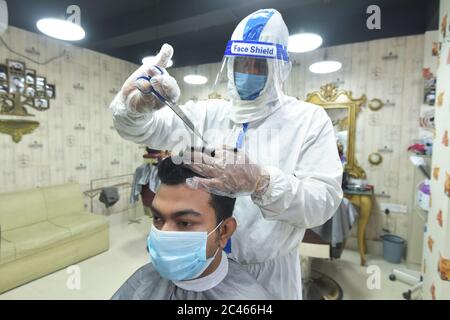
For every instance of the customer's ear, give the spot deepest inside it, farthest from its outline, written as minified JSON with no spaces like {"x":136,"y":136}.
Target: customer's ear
{"x":227,"y":228}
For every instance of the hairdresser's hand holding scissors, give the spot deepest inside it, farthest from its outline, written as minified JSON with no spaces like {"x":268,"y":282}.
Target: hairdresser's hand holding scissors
{"x":137,"y":87}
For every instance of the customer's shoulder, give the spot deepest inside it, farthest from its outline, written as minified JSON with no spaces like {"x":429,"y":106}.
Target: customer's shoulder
{"x":144,"y":277}
{"x":143,"y":274}
{"x":146,"y":270}
{"x":243,"y":284}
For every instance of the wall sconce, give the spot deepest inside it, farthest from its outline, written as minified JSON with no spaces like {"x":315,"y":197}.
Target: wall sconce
{"x":113,"y":91}
{"x":115,"y":162}
{"x":375,"y":104}
{"x":375,"y":158}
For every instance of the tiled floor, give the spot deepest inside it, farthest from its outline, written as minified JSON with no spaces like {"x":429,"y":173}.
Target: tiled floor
{"x":102,"y":275}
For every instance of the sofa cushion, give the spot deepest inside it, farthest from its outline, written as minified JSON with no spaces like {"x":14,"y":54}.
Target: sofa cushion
{"x":63,"y":200}
{"x":22,"y":208}
{"x":32,"y":239}
{"x":81,"y":223}
{"x":7,"y":251}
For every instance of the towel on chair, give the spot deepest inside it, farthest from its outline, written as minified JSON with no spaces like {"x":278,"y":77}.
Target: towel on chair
{"x":109,"y":196}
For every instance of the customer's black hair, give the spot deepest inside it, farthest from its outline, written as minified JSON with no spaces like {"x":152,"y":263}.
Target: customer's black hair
{"x":174,"y":174}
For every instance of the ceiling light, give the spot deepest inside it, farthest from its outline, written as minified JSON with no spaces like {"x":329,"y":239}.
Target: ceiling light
{"x":304,"y":42}
{"x":151,"y":61}
{"x":326,"y":66}
{"x":61,"y":29}
{"x":195,"y":79}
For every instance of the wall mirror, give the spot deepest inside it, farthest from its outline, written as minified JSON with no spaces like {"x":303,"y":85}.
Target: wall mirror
{"x":342,"y":109}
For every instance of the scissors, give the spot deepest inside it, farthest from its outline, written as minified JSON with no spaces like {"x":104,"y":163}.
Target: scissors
{"x":176,"y":108}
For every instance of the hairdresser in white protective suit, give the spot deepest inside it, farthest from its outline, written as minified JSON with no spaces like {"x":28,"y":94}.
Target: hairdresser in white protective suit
{"x":294,"y":179}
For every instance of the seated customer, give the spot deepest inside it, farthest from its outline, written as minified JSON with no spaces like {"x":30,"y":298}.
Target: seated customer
{"x":190,"y":229}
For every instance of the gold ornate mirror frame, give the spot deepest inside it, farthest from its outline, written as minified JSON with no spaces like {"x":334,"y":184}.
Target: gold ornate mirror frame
{"x":330,"y":97}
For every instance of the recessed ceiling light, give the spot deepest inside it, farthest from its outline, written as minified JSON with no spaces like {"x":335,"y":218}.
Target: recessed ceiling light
{"x":304,"y":42}
{"x":195,"y":79}
{"x":326,"y":66}
{"x":151,"y":61}
{"x":61,"y":29}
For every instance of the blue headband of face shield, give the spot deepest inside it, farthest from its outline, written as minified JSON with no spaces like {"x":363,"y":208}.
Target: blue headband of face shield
{"x":248,"y":84}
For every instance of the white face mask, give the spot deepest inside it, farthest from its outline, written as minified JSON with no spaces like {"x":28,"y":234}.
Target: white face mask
{"x":180,"y":255}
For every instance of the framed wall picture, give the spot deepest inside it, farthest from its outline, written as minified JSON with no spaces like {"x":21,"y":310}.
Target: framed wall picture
{"x":50,"y":91}
{"x":30,"y":76}
{"x":30,"y":91}
{"x":16,"y":74}
{"x":30,"y":82}
{"x":4,"y":88}
{"x":16,"y":67}
{"x":16,"y":84}
{"x":40,"y":86}
{"x":3,"y":74}
{"x":22,"y":88}
{"x":41,"y":103}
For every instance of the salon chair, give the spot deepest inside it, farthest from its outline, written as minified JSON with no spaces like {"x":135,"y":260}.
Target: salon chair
{"x":316,"y":285}
{"x":326,"y":242}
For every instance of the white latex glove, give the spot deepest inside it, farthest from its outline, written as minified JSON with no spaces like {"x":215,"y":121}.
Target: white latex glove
{"x":229,"y":173}
{"x":161,"y":81}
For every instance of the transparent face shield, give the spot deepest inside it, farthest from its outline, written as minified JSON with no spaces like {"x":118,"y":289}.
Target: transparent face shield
{"x":253,"y":72}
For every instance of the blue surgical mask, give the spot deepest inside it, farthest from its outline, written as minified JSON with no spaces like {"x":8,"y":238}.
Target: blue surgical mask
{"x":248,"y":85}
{"x":179,"y":255}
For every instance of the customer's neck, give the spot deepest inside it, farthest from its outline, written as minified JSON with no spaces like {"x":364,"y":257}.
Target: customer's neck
{"x":213,"y":266}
